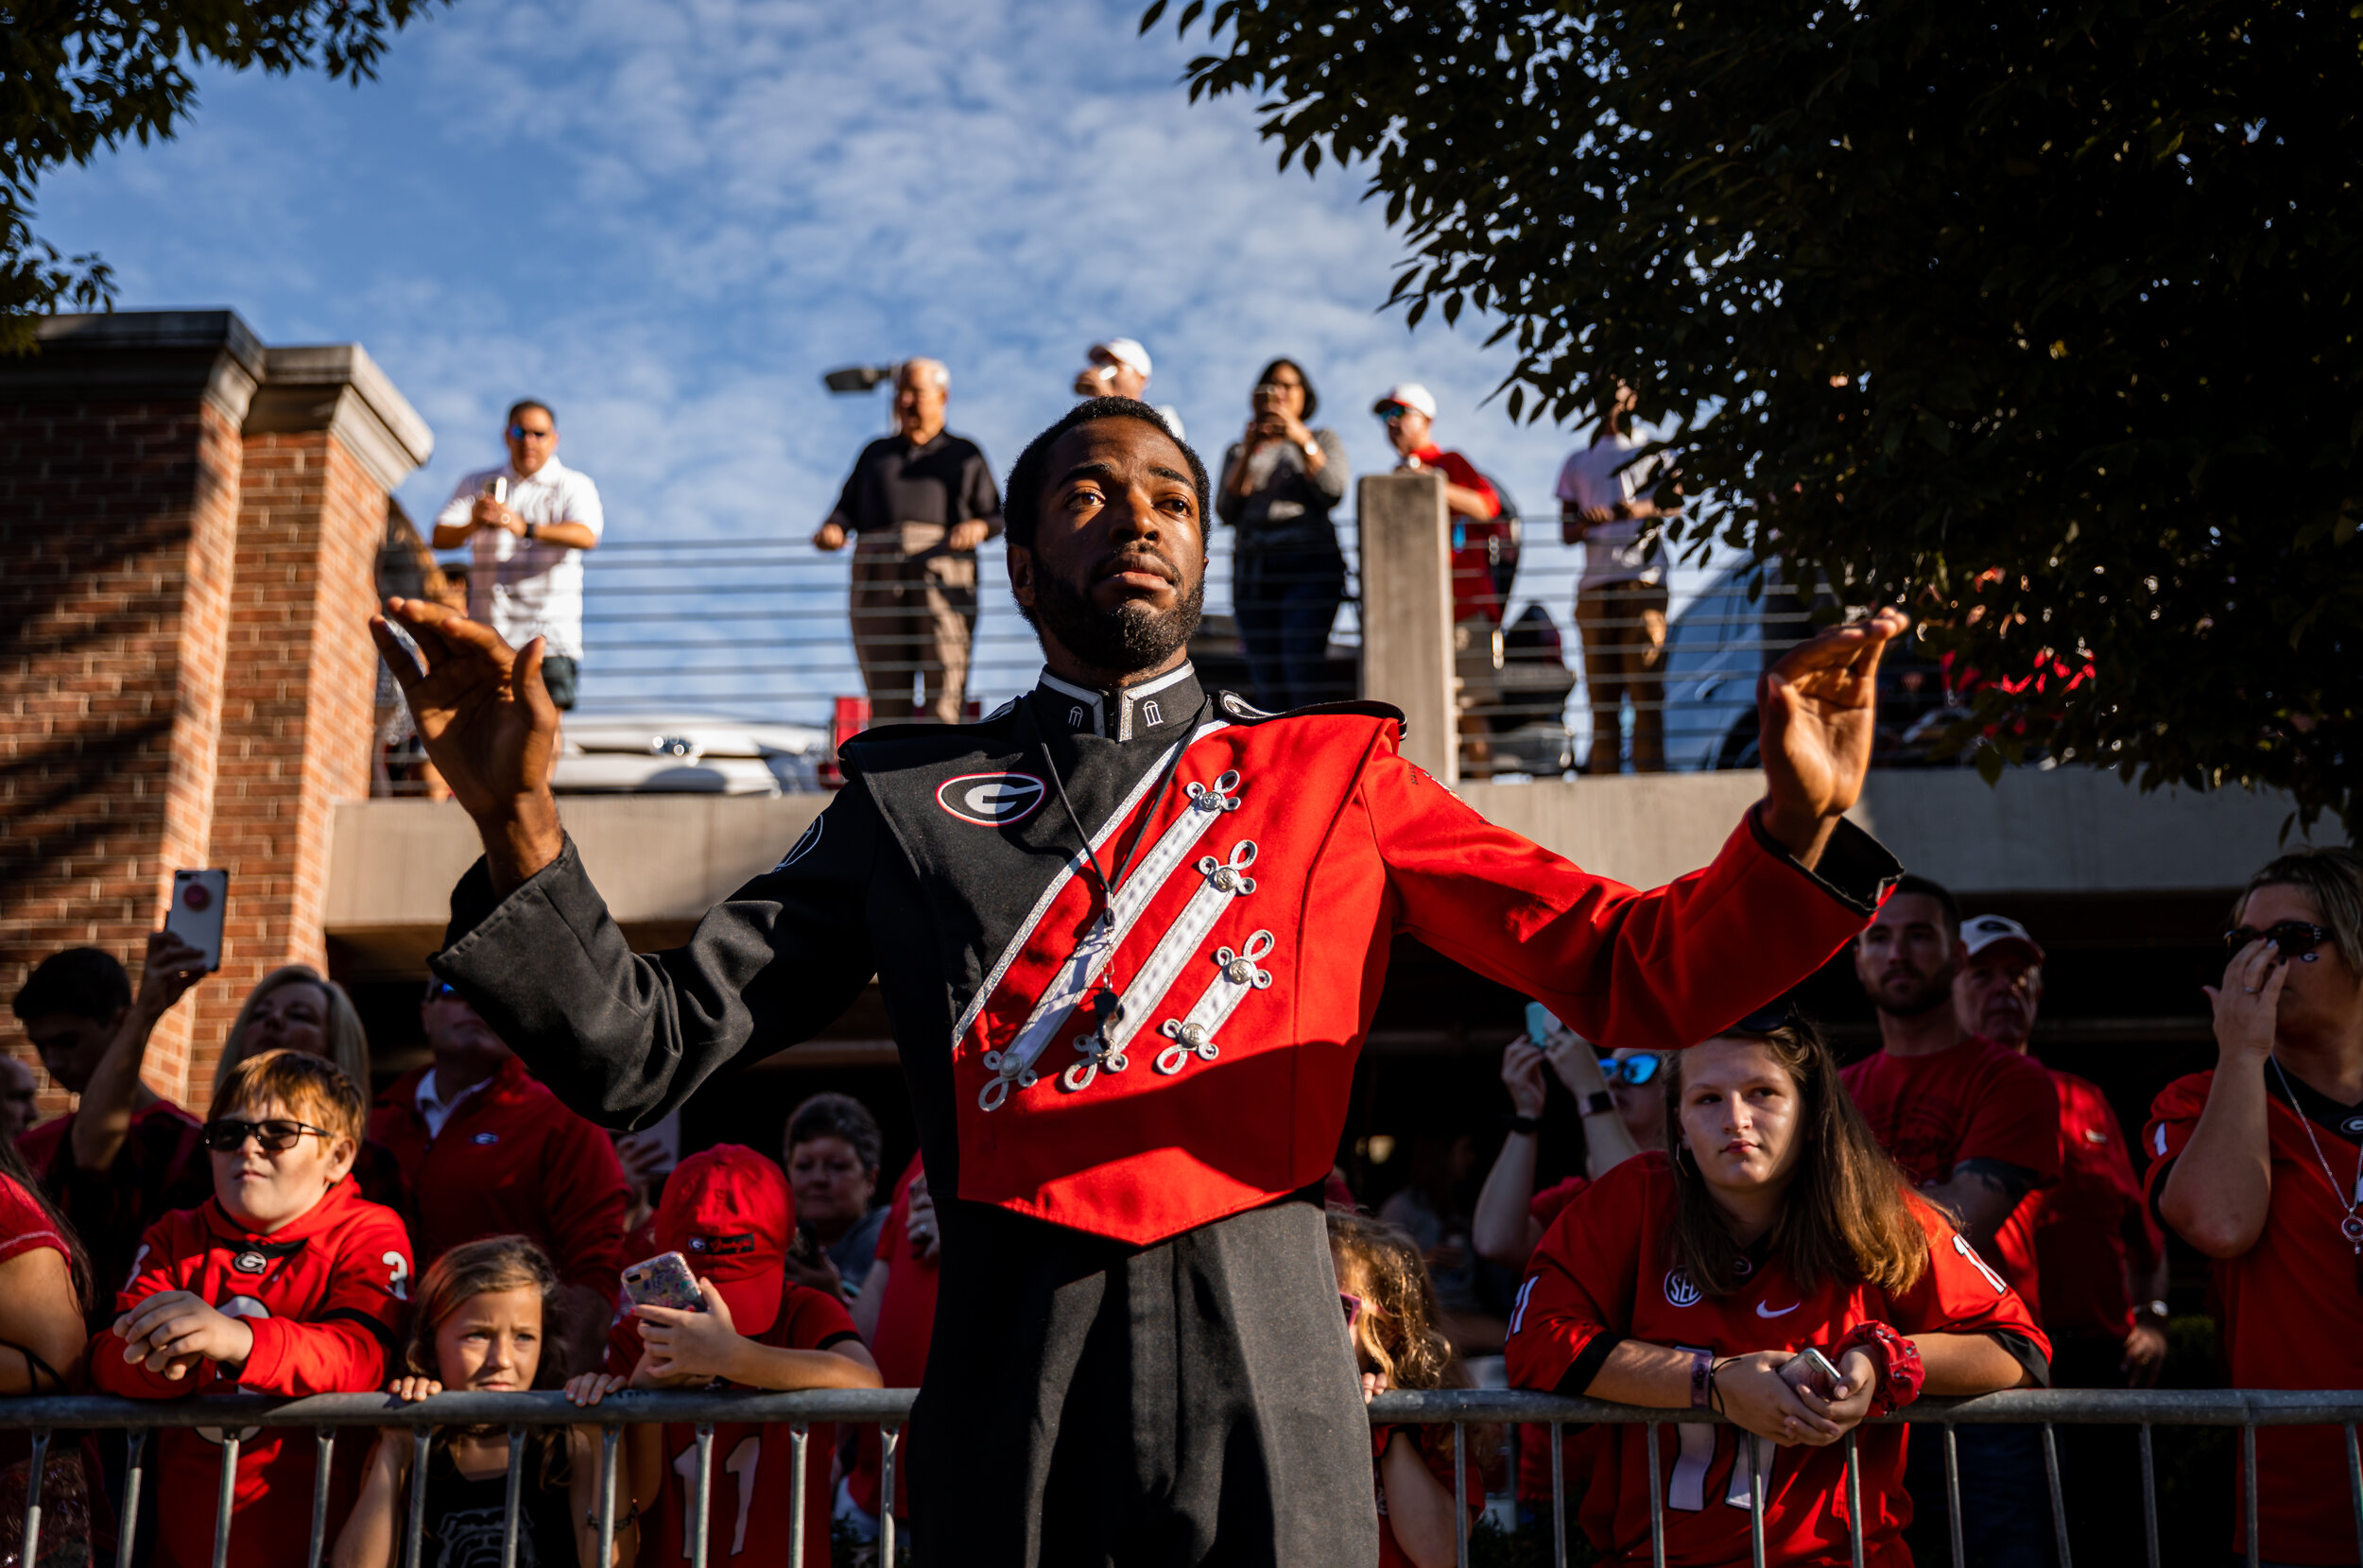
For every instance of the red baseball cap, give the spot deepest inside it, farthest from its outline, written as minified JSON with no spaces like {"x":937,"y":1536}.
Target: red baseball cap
{"x":730,"y":1213}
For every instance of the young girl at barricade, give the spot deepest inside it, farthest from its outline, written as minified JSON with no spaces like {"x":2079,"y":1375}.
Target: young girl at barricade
{"x":728,"y":1212}
{"x":285,"y":1282}
{"x":486,"y":1320}
{"x":1692,"y":1281}
{"x":1389,"y":1303}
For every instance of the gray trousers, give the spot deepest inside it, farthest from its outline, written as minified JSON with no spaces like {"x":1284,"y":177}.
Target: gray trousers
{"x":1091,"y":1406}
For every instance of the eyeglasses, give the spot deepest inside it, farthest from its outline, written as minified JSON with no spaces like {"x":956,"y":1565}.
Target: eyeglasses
{"x":1356,"y":1308}
{"x":1392,"y":413}
{"x":519,"y":433}
{"x":2295,"y":938}
{"x":1633,"y":1070}
{"x":276,"y":1136}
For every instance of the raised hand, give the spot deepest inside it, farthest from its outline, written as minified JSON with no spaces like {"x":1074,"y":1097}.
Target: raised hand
{"x":1816,"y":709}
{"x":488,"y":725}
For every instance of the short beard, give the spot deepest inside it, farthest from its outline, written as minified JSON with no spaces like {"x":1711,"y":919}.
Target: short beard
{"x":1124,"y":641}
{"x":1938,"y":991}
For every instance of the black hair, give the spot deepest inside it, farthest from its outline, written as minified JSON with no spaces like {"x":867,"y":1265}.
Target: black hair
{"x":1907,"y":883}
{"x":86,"y":982}
{"x":522,"y":404}
{"x":1021,"y":508}
{"x":837,"y":1116}
{"x":1312,"y":398}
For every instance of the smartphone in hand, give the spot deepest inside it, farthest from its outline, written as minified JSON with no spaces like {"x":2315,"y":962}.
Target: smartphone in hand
{"x":199,"y":902}
{"x":1541,"y":1024}
{"x":1825,"y":1378}
{"x":664,"y":1281}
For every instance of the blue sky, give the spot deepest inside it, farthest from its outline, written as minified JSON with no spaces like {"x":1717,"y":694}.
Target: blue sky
{"x":668,"y":219}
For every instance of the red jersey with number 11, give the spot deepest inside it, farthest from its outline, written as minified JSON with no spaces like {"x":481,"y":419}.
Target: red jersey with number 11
{"x":1604,"y":1273}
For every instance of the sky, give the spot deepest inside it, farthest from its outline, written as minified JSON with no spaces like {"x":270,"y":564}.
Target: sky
{"x":668,"y":219}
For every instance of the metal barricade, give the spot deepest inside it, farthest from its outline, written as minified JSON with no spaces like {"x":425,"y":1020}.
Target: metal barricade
{"x":329,"y":1414}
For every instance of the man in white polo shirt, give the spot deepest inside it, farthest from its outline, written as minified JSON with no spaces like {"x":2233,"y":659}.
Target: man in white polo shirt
{"x":528,"y":522}
{"x":1605,"y":502}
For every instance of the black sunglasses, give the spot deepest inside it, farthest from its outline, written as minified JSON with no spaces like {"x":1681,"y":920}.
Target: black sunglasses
{"x":229,"y":1133}
{"x":1636,"y":1070}
{"x":2295,"y":938}
{"x":519,"y":433}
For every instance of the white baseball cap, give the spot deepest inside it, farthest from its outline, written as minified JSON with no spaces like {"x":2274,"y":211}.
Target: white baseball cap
{"x":1124,"y":351}
{"x":1411,"y":395}
{"x":1985,"y":930}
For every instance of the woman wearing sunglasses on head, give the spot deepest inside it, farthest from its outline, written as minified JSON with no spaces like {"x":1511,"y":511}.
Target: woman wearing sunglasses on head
{"x":2259,"y":1164}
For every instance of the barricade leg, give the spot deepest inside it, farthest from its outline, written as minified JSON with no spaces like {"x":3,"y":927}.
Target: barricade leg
{"x":515,"y":1498}
{"x":1558,"y":1492}
{"x":799,"y":1440}
{"x":608,"y":1436}
{"x":420,"y":1438}
{"x":1854,"y":1502}
{"x":2149,"y":1496}
{"x":1657,"y":1501}
{"x":2248,"y":1492}
{"x":1460,"y":1494}
{"x":2059,"y":1501}
{"x":1953,"y":1495}
{"x":224,"y":1497}
{"x":1755,"y":1498}
{"x":135,"y":1457}
{"x":40,"y":1462}
{"x":890,"y":1437}
{"x":323,"y":1456}
{"x":2354,"y":1489}
{"x":701,"y":1486}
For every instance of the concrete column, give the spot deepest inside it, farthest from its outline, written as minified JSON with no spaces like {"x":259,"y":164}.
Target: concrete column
{"x":1406,"y":612}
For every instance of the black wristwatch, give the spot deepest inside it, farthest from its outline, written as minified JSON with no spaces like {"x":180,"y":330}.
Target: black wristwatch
{"x":1599,"y":1103}
{"x":2154,"y":1309}
{"x":1522,"y":1123}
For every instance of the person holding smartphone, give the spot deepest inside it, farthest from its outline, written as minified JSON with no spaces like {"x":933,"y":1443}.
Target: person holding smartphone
{"x":527,"y":524}
{"x":1280,"y":481}
{"x":1696,"y":1279}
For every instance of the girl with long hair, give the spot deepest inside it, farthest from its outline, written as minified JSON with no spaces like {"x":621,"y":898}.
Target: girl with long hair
{"x":486,"y":1320}
{"x":1392,"y":1317}
{"x":1695,"y":1280}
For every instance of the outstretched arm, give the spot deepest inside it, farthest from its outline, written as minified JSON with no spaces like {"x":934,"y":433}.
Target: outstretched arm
{"x":1817,"y":710}
{"x":103,"y":1120}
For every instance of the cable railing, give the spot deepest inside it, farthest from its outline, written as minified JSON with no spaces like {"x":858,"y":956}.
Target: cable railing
{"x":760,"y":631}
{"x":45,"y":1418}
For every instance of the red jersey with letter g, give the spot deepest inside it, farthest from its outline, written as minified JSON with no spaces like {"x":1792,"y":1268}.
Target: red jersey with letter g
{"x":1605,"y":1272}
{"x":1247,"y":948}
{"x":2292,"y":1315}
{"x":325,"y":1296}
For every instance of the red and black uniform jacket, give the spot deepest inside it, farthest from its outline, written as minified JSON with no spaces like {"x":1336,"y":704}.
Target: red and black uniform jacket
{"x":1265,"y":881}
{"x":1604,"y":1273}
{"x":325,"y":1296}
{"x":510,"y":1161}
{"x":2290,"y":1307}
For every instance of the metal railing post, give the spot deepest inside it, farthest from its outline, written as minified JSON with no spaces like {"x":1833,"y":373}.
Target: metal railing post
{"x":700,"y":1495}
{"x":1756,"y":1499}
{"x":2059,"y":1497}
{"x":2248,"y":1492}
{"x":511,"y":1504}
{"x":889,"y":1438}
{"x":1558,"y":1492}
{"x":1854,"y":1502}
{"x":799,"y":1440}
{"x":38,"y":1462}
{"x":323,"y":1458}
{"x":225,"y":1496}
{"x":2150,"y":1497}
{"x":1460,"y":1494}
{"x":1656,"y":1501}
{"x":127,"y":1524}
{"x":420,"y":1438}
{"x":608,"y":1436}
{"x":2354,"y":1489}
{"x":1953,"y":1497}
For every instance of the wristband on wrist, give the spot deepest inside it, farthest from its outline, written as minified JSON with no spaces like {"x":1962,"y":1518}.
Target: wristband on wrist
{"x":1702,"y":1376}
{"x":1518,"y":1122}
{"x":1901,"y":1374}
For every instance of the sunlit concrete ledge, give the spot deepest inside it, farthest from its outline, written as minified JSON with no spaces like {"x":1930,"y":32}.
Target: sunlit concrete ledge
{"x":661,"y":859}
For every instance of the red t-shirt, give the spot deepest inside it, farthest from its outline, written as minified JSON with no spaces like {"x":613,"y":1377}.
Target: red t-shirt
{"x":1605,"y":1270}
{"x":510,"y":1161}
{"x":1534,"y":1437}
{"x":1473,"y":542}
{"x":2094,"y":1233}
{"x":1434,"y":1446}
{"x":161,"y":1167}
{"x":325,"y":1295}
{"x":1977,"y":1100}
{"x":906,"y":1322}
{"x":2291,"y":1312}
{"x":23,"y":1226}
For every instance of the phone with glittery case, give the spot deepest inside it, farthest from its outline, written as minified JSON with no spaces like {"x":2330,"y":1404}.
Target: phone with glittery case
{"x":664,"y":1281}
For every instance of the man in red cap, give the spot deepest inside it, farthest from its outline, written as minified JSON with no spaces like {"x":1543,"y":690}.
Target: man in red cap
{"x":728,"y":1212}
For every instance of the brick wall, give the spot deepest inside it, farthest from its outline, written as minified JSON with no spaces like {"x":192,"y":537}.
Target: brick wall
{"x":117,"y":529}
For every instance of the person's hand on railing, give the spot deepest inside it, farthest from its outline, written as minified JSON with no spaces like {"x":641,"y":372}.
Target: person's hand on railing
{"x":1843,"y":1406}
{"x":1373,"y":1385}
{"x":1752,"y":1392}
{"x":588,"y":1389}
{"x":489,"y":728}
{"x":829,"y":536}
{"x":173,"y":1330}
{"x":1816,"y":711}
{"x":412,"y":1388}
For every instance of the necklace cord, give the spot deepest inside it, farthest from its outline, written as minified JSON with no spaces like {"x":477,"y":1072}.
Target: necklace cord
{"x":2345,"y":1200}
{"x":1107,"y":885}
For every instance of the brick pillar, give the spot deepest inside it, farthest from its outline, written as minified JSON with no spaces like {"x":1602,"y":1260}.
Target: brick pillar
{"x":326,"y":440}
{"x":189,"y":524}
{"x":119,"y":469}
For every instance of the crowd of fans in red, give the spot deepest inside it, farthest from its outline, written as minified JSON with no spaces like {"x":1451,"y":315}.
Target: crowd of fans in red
{"x":1945,"y":1215}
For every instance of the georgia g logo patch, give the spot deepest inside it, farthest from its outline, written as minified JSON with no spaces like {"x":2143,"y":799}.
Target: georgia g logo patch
{"x":991,"y":799}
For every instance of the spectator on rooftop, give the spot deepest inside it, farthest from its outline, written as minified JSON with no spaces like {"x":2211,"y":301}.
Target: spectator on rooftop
{"x":1118,"y":367}
{"x":1279,"y":481}
{"x":2102,"y":1261}
{"x":831,"y":1152}
{"x":528,"y":522}
{"x":20,"y":1099}
{"x":1977,"y":1126}
{"x":915,"y":508}
{"x":126,"y":1156}
{"x":1478,"y":539}
{"x":1607,"y":502}
{"x":486,"y":1151}
{"x":2258,"y":1164}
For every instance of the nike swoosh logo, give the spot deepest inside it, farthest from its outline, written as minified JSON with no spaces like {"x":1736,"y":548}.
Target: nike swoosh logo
{"x":1763,"y":1312}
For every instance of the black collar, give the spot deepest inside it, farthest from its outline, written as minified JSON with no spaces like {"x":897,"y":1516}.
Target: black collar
{"x":1159,"y":710}
{"x":2315,"y":1106}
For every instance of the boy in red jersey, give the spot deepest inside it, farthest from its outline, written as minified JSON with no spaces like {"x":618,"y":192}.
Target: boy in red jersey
{"x":728,"y":1212}
{"x":287,"y":1282}
{"x":1692,"y":1281}
{"x":486,"y":1151}
{"x":2259,"y":1164}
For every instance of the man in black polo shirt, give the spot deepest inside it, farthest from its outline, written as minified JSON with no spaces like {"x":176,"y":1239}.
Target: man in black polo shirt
{"x":917,"y":505}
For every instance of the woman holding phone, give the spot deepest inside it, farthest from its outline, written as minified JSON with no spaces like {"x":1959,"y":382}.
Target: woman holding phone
{"x":1281,"y":479}
{"x":1777,"y":1231}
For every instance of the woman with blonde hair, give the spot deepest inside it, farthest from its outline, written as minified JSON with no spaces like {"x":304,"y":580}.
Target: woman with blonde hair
{"x":296,"y":1008}
{"x":1776,"y":1228}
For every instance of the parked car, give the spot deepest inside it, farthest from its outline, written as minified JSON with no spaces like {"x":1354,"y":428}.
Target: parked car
{"x":688,"y":755}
